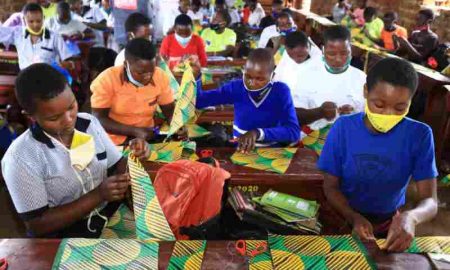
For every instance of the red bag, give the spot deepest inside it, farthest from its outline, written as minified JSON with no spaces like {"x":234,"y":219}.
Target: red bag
{"x":190,"y":193}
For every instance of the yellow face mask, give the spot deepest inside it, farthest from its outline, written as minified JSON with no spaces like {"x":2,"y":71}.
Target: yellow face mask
{"x":383,"y":122}
{"x":82,"y":150}
{"x":35,"y":33}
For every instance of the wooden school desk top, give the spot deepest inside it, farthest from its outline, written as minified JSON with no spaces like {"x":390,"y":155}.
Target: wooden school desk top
{"x":236,"y":62}
{"x":40,"y":253}
{"x":219,"y":114}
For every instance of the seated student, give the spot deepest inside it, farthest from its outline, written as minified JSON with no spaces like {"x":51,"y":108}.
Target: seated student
{"x":256,"y":13}
{"x":137,"y":25}
{"x":423,"y":40}
{"x":370,"y":158}
{"x":64,"y":174}
{"x":35,"y":43}
{"x":194,"y":11}
{"x":284,"y":25}
{"x":234,"y":14}
{"x":219,"y":39}
{"x":372,"y":28}
{"x":206,"y":8}
{"x":93,"y":17}
{"x":390,"y":29}
{"x":263,"y":109}
{"x":277,"y":8}
{"x":66,"y":26}
{"x":183,"y":44}
{"x":339,"y":10}
{"x":298,"y":59}
{"x":124,"y":98}
{"x":333,"y":88}
{"x":172,"y":14}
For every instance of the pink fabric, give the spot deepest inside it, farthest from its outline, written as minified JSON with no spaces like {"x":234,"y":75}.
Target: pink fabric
{"x":359,"y":16}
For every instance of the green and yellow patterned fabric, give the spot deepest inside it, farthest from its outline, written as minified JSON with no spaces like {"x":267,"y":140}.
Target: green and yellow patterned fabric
{"x":172,"y":151}
{"x":121,"y":225}
{"x":315,"y":139}
{"x":428,"y":244}
{"x":267,"y":159}
{"x":111,"y":254}
{"x":187,"y":255}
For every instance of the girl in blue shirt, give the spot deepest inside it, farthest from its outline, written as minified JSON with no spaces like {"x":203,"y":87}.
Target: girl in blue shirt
{"x":370,"y":158}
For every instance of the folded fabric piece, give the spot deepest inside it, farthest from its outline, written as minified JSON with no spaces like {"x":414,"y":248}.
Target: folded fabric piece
{"x":261,"y":261}
{"x":266,"y":159}
{"x":315,"y":139}
{"x":427,"y":244}
{"x":172,"y":151}
{"x":187,"y":255}
{"x":318,"y":252}
{"x":112,"y":254}
{"x":121,"y":225}
{"x":174,"y":85}
{"x":151,"y":224}
{"x":185,"y":106}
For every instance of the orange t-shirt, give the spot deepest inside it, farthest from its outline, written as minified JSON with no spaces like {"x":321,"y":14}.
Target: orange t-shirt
{"x":128,"y":104}
{"x":386,"y":36}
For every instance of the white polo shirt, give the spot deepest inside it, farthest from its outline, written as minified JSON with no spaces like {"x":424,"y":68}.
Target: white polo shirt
{"x":71,"y":28}
{"x":51,"y":48}
{"x":95,"y":15}
{"x":316,"y":85}
{"x":256,"y":16}
{"x":120,"y":58}
{"x":38,"y":171}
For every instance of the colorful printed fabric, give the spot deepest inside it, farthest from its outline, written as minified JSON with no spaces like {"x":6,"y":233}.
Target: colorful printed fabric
{"x":193,"y":131}
{"x":187,"y":255}
{"x":446,"y":180}
{"x":121,"y":225}
{"x":172,"y":151}
{"x":261,"y":261}
{"x":174,"y":85}
{"x":318,"y":252}
{"x":112,"y":254}
{"x":151,"y":224}
{"x":266,"y":159}
{"x":279,"y":54}
{"x":185,"y":105}
{"x":428,"y":244}
{"x":315,"y":139}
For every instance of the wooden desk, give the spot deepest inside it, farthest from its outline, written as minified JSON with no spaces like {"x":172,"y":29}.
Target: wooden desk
{"x":9,"y":63}
{"x":301,"y":179}
{"x":220,"y":114}
{"x":235,"y":62}
{"x":39,"y":254}
{"x":312,"y":24}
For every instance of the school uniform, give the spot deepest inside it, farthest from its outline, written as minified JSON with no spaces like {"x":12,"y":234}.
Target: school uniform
{"x":374,"y":169}
{"x":96,"y":15}
{"x":256,"y":15}
{"x":65,"y":29}
{"x":316,"y":85}
{"x":175,"y":51}
{"x":273,"y":116}
{"x":39,"y":176}
{"x":51,"y":47}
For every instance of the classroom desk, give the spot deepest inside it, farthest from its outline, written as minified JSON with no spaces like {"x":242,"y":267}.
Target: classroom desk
{"x":301,"y":179}
{"x":235,"y":62}
{"x":40,"y":253}
{"x":219,"y":114}
{"x":312,"y":24}
{"x":9,"y":63}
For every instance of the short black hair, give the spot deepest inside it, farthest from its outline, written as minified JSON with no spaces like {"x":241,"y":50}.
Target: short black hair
{"x":225,"y":15}
{"x":261,"y":55}
{"x":370,"y":12}
{"x":32,"y":7}
{"x":285,"y":14}
{"x":140,"y":49}
{"x":277,"y":2}
{"x":220,"y":2}
{"x":394,"y":71}
{"x":428,"y":13}
{"x":183,"y":20}
{"x":136,"y":20}
{"x":38,"y":82}
{"x":64,"y":6}
{"x":296,"y":39}
{"x":336,"y":32}
{"x":390,"y":15}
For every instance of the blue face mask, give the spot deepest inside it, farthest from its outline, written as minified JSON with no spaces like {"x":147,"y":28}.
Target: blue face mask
{"x":288,"y":31}
{"x":334,"y":70}
{"x":184,"y":41}
{"x":130,"y":77}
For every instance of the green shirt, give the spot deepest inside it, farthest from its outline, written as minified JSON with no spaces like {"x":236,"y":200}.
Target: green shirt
{"x":49,"y":11}
{"x":218,"y":42}
{"x":374,"y":28}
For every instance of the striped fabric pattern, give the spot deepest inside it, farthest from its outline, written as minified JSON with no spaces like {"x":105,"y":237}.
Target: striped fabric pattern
{"x":261,"y":261}
{"x":121,"y":225}
{"x":187,"y":255}
{"x":318,"y":252}
{"x":174,"y":85}
{"x":151,"y":224}
{"x":427,"y":244}
{"x":267,"y":159}
{"x":315,"y":139}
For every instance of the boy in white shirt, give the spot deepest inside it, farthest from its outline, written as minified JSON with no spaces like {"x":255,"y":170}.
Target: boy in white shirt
{"x":334,"y":88}
{"x":93,"y":17}
{"x":256,"y":13}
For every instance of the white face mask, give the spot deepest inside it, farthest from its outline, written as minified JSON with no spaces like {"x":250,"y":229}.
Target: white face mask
{"x":130,"y":77}
{"x":184,"y":41}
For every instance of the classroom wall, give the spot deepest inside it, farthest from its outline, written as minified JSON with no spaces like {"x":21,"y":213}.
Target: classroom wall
{"x":7,"y":7}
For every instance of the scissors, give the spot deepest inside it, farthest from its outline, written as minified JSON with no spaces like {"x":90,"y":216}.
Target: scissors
{"x":206,"y":153}
{"x":3,"y":264}
{"x":241,"y":248}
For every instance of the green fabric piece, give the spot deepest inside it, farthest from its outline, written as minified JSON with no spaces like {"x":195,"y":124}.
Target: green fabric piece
{"x":121,"y":225}
{"x":187,"y":255}
{"x":427,"y":244}
{"x":267,"y":159}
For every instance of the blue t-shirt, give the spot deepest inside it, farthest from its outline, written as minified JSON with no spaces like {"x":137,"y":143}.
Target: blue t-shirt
{"x":374,"y":169}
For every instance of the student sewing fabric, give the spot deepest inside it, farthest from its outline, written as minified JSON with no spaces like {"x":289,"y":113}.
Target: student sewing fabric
{"x":93,"y":17}
{"x":423,"y":40}
{"x":369,"y":159}
{"x":137,"y":25}
{"x":277,"y":8}
{"x":66,"y":26}
{"x":298,"y":59}
{"x":340,"y":90}
{"x":219,"y":39}
{"x":263,"y":109}
{"x":372,"y":28}
{"x":124,"y":98}
{"x":183,"y":44}
{"x":64,"y":174}
{"x":35,"y":43}
{"x":390,"y":29}
{"x":256,"y":13}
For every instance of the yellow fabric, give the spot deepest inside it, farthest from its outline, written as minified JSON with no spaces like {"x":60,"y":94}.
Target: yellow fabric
{"x":82,"y":150}
{"x":382,"y":122}
{"x":218,"y":42}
